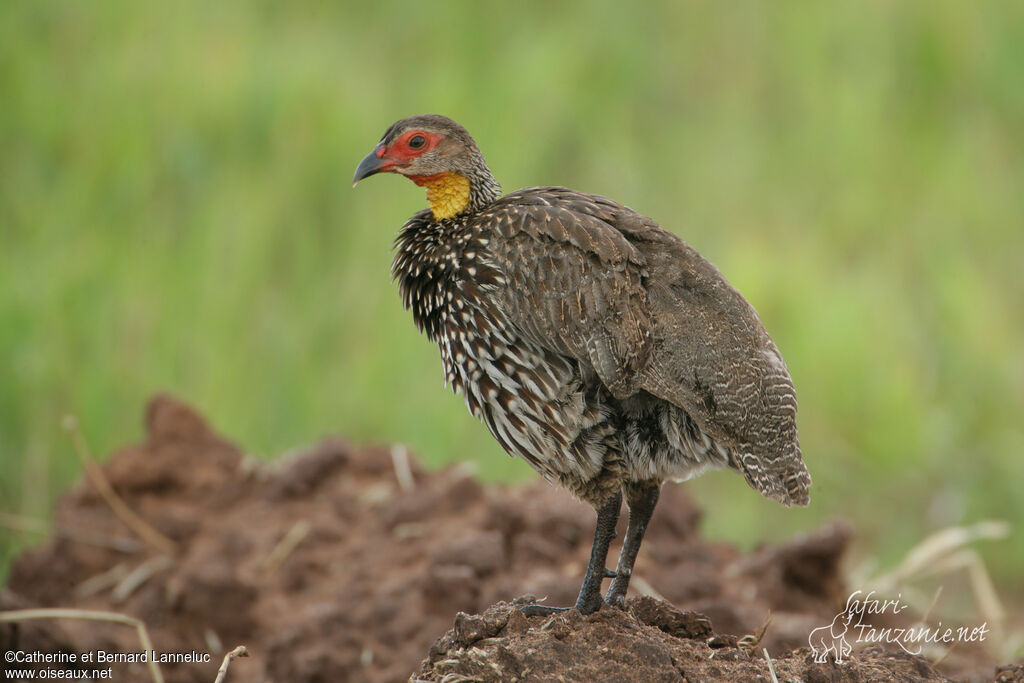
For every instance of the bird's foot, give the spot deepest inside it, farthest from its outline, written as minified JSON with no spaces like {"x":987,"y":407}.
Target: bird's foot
{"x":590,"y":606}
{"x":618,"y":601}
{"x":541,"y":610}
{"x":586,"y":604}
{"x":616,"y":596}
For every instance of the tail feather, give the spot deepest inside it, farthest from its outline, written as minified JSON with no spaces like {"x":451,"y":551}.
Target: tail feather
{"x":786,"y":482}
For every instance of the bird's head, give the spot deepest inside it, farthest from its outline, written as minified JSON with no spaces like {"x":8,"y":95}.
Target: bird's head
{"x":437,"y":153}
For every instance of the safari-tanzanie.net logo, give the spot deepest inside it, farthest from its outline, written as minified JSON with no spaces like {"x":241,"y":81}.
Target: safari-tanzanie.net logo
{"x":851,"y":626}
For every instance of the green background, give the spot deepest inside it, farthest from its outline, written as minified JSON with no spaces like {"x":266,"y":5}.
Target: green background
{"x":176,"y":213}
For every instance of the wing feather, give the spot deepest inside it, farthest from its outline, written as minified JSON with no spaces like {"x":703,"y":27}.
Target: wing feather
{"x":574,"y":285}
{"x":637,"y":306}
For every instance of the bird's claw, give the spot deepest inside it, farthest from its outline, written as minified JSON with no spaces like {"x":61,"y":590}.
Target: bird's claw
{"x":618,"y":601}
{"x":541,"y":610}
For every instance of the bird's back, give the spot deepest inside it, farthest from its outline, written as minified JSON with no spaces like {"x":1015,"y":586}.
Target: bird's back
{"x":641,"y":310}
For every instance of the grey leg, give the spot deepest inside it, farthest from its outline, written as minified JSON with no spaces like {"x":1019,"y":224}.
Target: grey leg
{"x":641,"y":499}
{"x":589,"y":599}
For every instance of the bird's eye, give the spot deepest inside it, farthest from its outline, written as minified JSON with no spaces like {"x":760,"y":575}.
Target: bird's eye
{"x":417,"y":141}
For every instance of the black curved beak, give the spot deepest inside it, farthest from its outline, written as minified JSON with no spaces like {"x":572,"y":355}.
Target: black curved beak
{"x":369,"y":166}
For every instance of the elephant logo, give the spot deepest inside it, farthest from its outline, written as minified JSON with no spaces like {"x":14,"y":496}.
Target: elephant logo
{"x":832,"y":639}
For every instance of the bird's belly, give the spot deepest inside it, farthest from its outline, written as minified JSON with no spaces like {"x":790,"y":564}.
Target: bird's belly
{"x":661,"y":441}
{"x":538,"y":405}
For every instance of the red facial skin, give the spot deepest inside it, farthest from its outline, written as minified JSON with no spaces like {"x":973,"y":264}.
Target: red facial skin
{"x":399,"y":153}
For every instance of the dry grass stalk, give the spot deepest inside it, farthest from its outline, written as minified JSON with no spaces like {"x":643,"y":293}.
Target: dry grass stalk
{"x":95,"y":473}
{"x":643,"y":587}
{"x":752,"y":640}
{"x":102,"y":581}
{"x":23,"y":524}
{"x":213,"y":641}
{"x":771,"y":667}
{"x":89,"y":615}
{"x":403,"y":472}
{"x":139,"y":576}
{"x":37,"y":526}
{"x":944,"y":553}
{"x":222,"y":672}
{"x":287,"y":545}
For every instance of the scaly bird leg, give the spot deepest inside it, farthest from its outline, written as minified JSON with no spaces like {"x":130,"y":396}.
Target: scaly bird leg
{"x":589,"y":599}
{"x":641,"y":499}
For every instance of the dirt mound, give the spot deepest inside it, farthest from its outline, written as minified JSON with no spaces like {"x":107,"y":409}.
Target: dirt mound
{"x":345,"y":564}
{"x":651,"y":642}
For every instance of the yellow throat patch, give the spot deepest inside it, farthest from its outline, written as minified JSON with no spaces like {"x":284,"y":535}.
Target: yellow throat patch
{"x":447,"y":193}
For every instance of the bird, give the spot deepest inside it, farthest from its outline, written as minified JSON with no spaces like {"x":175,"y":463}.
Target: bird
{"x":594,"y":344}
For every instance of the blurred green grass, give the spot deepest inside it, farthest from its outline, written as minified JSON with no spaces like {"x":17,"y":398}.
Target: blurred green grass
{"x":175,"y":213}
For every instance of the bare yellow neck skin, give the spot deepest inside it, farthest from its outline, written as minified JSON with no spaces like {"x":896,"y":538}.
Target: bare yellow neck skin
{"x":447,"y":193}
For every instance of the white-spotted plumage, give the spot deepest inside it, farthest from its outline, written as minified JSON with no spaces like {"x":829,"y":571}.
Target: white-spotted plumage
{"x":541,"y":405}
{"x":599,"y":347}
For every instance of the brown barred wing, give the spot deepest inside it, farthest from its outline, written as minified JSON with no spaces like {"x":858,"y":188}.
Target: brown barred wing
{"x":573,"y":284}
{"x":711,"y":356}
{"x":594,"y":280}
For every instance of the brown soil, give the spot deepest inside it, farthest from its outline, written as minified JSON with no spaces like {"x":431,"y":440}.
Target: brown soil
{"x":329,"y":569}
{"x":651,"y":641}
